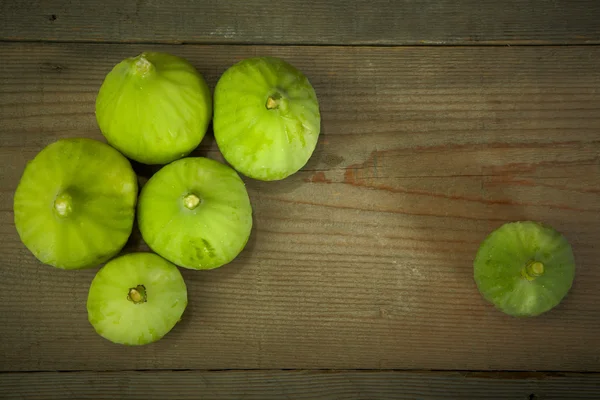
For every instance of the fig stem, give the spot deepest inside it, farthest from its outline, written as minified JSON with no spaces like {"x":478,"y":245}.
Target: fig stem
{"x":137,"y":294}
{"x":191,"y":201}
{"x":272,"y":103}
{"x":63,"y":204}
{"x":533,"y":270}
{"x":143,"y":67}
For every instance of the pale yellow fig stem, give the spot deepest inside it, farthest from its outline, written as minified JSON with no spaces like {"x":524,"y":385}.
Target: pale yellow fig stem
{"x":272,"y":103}
{"x":533,"y":270}
{"x":142,"y":66}
{"x":137,"y":294}
{"x":63,"y":204}
{"x":191,"y":201}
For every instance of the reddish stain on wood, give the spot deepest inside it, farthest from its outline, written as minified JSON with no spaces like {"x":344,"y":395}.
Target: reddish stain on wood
{"x":362,"y":174}
{"x":318,"y":177}
{"x":366,"y":175}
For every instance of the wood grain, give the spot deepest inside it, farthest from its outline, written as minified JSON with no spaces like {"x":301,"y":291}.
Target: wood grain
{"x":264,"y":385}
{"x":379,"y":22}
{"x":364,"y":258}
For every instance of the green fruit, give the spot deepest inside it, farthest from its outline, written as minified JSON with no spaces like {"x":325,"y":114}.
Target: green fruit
{"x":154,"y":108}
{"x":196,"y":213}
{"x":524,"y":268}
{"x":266,"y":118}
{"x":75,"y":203}
{"x":136,"y":299}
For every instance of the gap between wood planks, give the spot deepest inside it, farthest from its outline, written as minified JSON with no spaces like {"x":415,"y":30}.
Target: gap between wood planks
{"x":499,"y":374}
{"x":500,"y":43}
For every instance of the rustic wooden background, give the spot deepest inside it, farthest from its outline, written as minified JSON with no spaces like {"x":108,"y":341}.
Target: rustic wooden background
{"x":441,"y":120}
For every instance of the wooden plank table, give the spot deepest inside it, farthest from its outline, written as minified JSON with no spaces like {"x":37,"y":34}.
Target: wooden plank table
{"x":357,"y":280}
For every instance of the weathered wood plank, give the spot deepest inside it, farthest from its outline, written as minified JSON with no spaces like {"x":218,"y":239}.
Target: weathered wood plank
{"x":364,"y":258}
{"x":264,"y":385}
{"x":307,"y":22}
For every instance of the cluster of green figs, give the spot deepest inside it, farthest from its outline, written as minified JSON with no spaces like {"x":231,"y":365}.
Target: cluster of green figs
{"x":77,"y":200}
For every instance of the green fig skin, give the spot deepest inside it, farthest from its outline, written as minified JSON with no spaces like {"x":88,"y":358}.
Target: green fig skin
{"x":266,"y":118}
{"x":524,"y":268}
{"x":196,"y":213}
{"x":154,"y":108}
{"x":136,"y":299}
{"x":75,"y":203}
